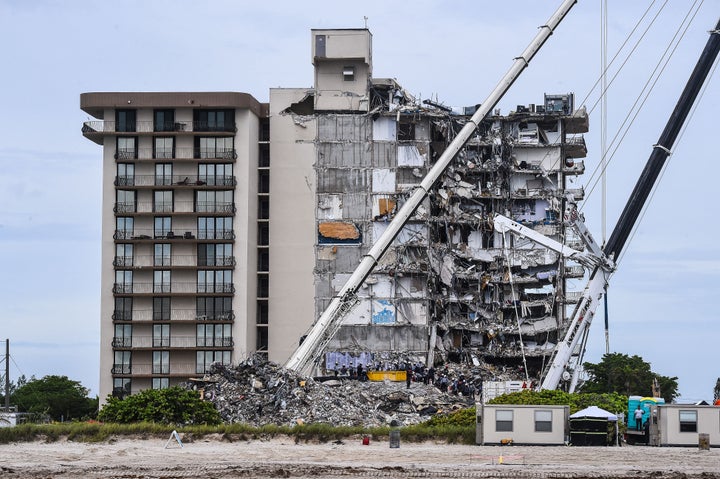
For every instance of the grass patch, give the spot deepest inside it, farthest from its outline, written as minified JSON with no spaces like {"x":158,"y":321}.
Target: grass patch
{"x":439,"y":430}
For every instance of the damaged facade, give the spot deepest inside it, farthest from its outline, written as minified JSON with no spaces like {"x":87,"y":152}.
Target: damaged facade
{"x":450,"y":288}
{"x":229,"y":224}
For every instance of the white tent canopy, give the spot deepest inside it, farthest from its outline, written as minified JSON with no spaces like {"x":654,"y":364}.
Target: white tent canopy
{"x":596,"y":412}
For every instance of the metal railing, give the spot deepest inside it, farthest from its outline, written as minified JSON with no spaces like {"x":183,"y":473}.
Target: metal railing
{"x":178,"y":288}
{"x":224,"y":207}
{"x":122,"y":342}
{"x":152,"y":234}
{"x":176,"y":180}
{"x":139,"y":369}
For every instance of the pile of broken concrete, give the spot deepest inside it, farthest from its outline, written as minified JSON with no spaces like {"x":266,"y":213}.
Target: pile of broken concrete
{"x":258,"y":392}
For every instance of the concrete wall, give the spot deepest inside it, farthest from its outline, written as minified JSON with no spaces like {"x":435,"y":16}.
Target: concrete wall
{"x":292,"y":224}
{"x":523,"y":425}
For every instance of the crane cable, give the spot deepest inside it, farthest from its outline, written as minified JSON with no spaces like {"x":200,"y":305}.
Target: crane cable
{"x":647,"y":89}
{"x":669,"y":159}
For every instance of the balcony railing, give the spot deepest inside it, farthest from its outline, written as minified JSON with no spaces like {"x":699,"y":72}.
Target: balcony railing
{"x":224,"y":207}
{"x":174,"y":315}
{"x":122,"y":315}
{"x":218,"y":261}
{"x":146,"y":369}
{"x":178,"y":153}
{"x":176,"y":180}
{"x":177,"y":288}
{"x":122,"y":343}
{"x":150,"y":234}
{"x":150,"y":342}
{"x":108,"y":126}
{"x":123,"y":261}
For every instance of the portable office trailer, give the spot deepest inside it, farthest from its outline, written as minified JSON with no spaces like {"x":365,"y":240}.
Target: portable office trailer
{"x":521,"y":424}
{"x":680,"y":424}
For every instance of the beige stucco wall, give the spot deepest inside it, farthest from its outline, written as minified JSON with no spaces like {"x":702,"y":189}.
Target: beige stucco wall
{"x":292,"y":224}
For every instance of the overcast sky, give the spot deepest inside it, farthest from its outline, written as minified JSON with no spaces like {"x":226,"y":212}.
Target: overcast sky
{"x":661,"y":298}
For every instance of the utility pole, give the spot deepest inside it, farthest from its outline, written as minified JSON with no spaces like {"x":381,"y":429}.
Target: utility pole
{"x":7,"y":374}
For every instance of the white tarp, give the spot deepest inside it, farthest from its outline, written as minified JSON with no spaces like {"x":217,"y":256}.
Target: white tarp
{"x":594,"y":411}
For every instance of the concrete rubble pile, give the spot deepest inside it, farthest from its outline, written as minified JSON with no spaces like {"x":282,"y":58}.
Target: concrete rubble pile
{"x":259,"y":392}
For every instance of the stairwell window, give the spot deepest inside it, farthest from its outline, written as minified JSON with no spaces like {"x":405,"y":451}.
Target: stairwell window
{"x":349,"y":73}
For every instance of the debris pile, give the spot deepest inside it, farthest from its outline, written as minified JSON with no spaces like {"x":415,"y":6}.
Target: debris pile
{"x":258,"y":392}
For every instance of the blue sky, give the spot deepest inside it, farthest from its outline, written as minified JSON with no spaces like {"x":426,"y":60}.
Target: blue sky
{"x":661,"y":298}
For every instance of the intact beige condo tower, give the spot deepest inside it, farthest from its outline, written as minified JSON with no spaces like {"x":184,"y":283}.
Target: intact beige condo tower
{"x":228,"y":225}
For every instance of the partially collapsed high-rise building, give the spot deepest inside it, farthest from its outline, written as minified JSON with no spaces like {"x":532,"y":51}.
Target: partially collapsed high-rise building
{"x":229,"y":225}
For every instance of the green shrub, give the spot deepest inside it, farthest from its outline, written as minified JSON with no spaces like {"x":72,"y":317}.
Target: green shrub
{"x":166,"y":406}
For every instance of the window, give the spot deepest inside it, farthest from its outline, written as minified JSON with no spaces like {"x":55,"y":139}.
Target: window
{"x":263,"y":208}
{"x":123,"y":336}
{"x":543,"y":421}
{"x":163,"y":174}
{"x":123,"y":309}
{"x":215,"y":174}
{"x":124,"y":226}
{"x":161,"y":281}
{"x":124,"y":120}
{"x":264,"y":156}
{"x":263,"y":286}
{"x":121,"y":387}
{"x":263,"y":181}
{"x":348,"y":73}
{"x":163,"y":201}
{"x":161,"y":362}
{"x":263,"y":234}
{"x":161,"y":309}
{"x":160,"y":383}
{"x":263,"y":260}
{"x":206,"y":358}
{"x":162,"y":227}
{"x":214,"y":201}
{"x":220,"y":254}
{"x":215,"y":228}
{"x":214,"y":120}
{"x":164,"y":120}
{"x":125,"y":201}
{"x":164,"y":147}
{"x":123,"y":255}
{"x":126,"y":148}
{"x":161,"y":335}
{"x":214,"y":308}
{"x":125,"y":174}
{"x":262,"y":312}
{"x":162,"y":254}
{"x":688,"y":421}
{"x":503,"y":420}
{"x":123,"y":281}
{"x":210,"y":147}
{"x":214,"y":335}
{"x":122,"y":362}
{"x":406,"y":131}
{"x":262,"y":338}
{"x":219,"y":281}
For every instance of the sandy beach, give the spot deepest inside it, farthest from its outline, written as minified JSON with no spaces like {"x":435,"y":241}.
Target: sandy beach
{"x":281,"y":457}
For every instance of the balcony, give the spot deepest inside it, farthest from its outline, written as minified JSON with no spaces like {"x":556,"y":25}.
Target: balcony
{"x":176,"y":180}
{"x":220,"y":261}
{"x":148,"y":369}
{"x":122,"y":343}
{"x":185,"y":153}
{"x":123,"y":261}
{"x":122,"y":315}
{"x":174,"y":315}
{"x":150,"y":288}
{"x":218,"y":207}
{"x":151,"y":234}
{"x":95,"y":127}
{"x":183,"y":342}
